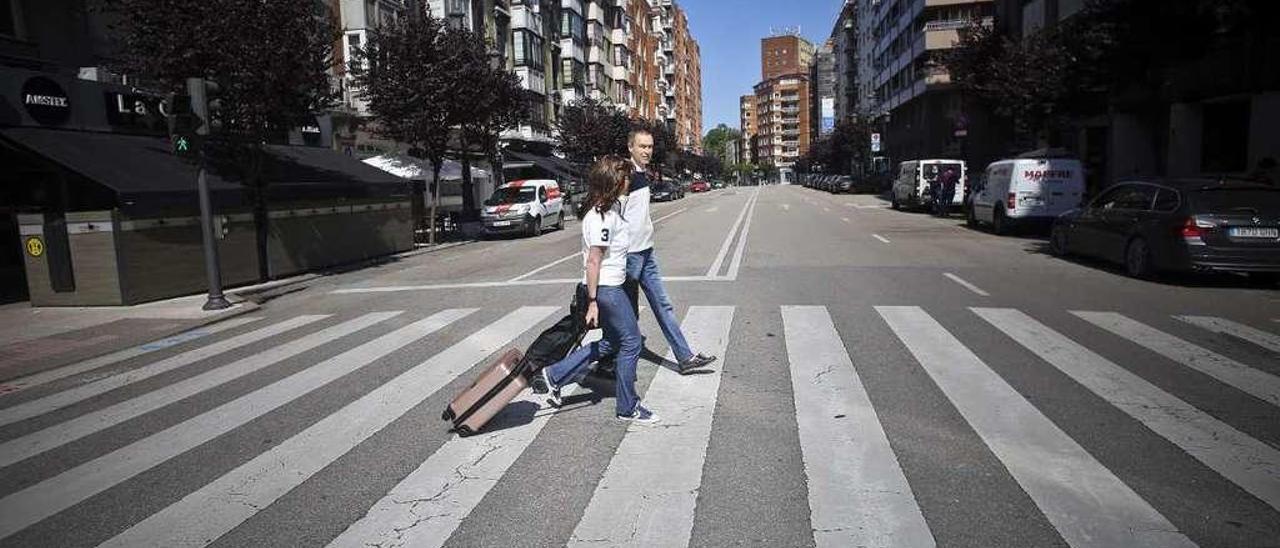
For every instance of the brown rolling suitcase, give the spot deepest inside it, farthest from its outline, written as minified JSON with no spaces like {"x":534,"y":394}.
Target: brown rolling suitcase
{"x":496,"y":387}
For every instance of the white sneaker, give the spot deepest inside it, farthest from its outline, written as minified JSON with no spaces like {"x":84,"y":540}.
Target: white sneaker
{"x":641,"y":416}
{"x":553,"y":395}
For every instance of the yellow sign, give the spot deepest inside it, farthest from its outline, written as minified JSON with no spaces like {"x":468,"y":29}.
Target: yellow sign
{"x":35,"y":247}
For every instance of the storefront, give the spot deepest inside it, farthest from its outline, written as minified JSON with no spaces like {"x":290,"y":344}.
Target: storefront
{"x":101,"y":211}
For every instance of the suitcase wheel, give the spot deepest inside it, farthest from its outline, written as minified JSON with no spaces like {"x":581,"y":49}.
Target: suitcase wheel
{"x":463,"y":431}
{"x":448,"y":414}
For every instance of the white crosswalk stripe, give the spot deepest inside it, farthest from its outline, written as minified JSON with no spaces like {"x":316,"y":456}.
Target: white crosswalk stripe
{"x":449,"y":485}
{"x":221,"y":505}
{"x":857,"y":493}
{"x":62,"y":399}
{"x":91,"y":364}
{"x":856,"y":474}
{"x":1261,"y":385}
{"x":649,"y":490}
{"x":1247,"y":462}
{"x":1270,"y":341}
{"x":38,"y":442}
{"x":1086,"y":503}
{"x":51,"y":496}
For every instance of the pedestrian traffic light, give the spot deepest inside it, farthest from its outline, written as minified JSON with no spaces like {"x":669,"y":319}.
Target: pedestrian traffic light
{"x":182,"y":124}
{"x":206,"y":104}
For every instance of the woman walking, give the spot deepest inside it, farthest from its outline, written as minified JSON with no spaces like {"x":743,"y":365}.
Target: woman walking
{"x":605,"y":240}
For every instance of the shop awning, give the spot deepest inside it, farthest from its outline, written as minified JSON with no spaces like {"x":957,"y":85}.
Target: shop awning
{"x":144,"y":175}
{"x":409,"y":167}
{"x":560,"y":168}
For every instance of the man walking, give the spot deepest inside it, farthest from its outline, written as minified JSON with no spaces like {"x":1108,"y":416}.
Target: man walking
{"x":946,"y":192}
{"x":642,"y":263}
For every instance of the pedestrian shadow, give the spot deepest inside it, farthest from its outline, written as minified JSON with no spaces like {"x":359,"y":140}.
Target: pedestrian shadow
{"x":514,"y":415}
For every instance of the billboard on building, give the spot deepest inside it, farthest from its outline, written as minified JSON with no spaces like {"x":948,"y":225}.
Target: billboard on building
{"x":828,"y":115}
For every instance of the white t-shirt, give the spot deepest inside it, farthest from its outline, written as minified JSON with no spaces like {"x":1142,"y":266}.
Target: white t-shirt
{"x":635,"y":207}
{"x":609,"y":231}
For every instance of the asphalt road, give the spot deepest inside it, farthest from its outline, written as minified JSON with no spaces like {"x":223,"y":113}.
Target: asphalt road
{"x":885,"y":379}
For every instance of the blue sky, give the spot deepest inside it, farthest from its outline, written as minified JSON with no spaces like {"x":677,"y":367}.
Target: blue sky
{"x":729,"y":33}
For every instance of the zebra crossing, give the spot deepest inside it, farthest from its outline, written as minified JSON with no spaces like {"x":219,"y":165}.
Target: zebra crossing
{"x":860,"y":491}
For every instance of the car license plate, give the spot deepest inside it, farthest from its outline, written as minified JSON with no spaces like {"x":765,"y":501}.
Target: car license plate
{"x":1254,"y":232}
{"x":502,"y":223}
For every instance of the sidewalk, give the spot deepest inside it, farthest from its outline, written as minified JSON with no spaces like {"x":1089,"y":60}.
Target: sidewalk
{"x":39,"y":339}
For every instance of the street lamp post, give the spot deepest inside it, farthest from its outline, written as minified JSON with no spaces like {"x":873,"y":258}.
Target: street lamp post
{"x":198,"y":89}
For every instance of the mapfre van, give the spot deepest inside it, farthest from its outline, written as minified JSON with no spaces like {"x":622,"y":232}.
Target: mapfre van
{"x":527,"y":206}
{"x":1032,"y":189}
{"x":911,"y":188}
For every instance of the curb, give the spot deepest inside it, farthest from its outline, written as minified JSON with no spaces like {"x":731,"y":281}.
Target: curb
{"x":249,"y":293}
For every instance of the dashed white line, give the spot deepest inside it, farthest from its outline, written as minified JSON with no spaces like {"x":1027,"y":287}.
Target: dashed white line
{"x":845,"y":219}
{"x":966,"y":284}
{"x":881,"y":238}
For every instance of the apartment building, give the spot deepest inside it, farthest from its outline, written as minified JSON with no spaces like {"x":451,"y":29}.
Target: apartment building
{"x":927,"y":116}
{"x":747,"y":124}
{"x":845,"y":43}
{"x":680,"y":75}
{"x":644,"y":72}
{"x":783,"y":102}
{"x":822,"y":105}
{"x":358,"y":19}
{"x":782,"y":107}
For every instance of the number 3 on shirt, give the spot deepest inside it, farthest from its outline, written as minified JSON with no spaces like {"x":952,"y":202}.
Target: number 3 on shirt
{"x":604,"y":234}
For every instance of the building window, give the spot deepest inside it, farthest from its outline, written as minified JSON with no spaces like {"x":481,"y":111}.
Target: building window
{"x":572,"y":26}
{"x":526,"y":49}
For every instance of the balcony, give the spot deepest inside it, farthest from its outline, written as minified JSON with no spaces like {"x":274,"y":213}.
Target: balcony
{"x":522,"y":17}
{"x":568,"y":49}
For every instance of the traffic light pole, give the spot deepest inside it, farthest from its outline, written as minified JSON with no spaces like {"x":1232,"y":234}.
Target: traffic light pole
{"x":199,"y":104}
{"x":216,"y":300}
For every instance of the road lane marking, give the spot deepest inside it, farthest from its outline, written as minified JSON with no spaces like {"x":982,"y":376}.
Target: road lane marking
{"x":64,"y":398}
{"x":1259,"y":384}
{"x":858,"y":495}
{"x":579,"y":254}
{"x":451,"y":482}
{"x":22,"y":383}
{"x":472,"y":285}
{"x":544,"y":267}
{"x":37,"y":502}
{"x":1085,"y":502}
{"x":845,"y":219}
{"x":225,"y":503}
{"x":965,"y":284}
{"x":881,"y":238}
{"x":649,"y":491}
{"x":33,"y":444}
{"x":712,"y":209}
{"x":728,"y":239}
{"x":1242,"y":460}
{"x":736,"y":263}
{"x":785,"y":207}
{"x":1270,"y":341}
{"x":827,"y":209}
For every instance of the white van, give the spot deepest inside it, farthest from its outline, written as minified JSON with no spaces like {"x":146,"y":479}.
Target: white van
{"x":911,"y":188}
{"x":526,"y":206}
{"x":1031,"y":189}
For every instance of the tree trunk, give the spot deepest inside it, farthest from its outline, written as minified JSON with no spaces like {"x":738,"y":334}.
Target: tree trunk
{"x":468,"y":189}
{"x":435,"y":199}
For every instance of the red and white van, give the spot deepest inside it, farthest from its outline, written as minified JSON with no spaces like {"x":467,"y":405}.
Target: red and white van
{"x":526,"y":206}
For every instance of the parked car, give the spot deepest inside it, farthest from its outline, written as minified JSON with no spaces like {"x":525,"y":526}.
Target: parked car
{"x":842,"y":183}
{"x":699,"y":186}
{"x":911,"y":189}
{"x":1191,"y":225}
{"x":527,"y":206}
{"x":662,"y":192}
{"x":1032,"y":189}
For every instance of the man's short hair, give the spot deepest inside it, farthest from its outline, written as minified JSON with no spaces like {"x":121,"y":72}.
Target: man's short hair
{"x":631,"y":137}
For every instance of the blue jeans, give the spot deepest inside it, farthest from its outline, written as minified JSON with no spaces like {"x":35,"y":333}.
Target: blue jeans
{"x":621,"y":336}
{"x":642,"y":266}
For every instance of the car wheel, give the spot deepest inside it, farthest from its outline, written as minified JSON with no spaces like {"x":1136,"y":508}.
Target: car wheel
{"x":999,"y":223}
{"x":560,"y":221}
{"x":893,"y":203}
{"x":1058,"y":241}
{"x":1137,"y":259}
{"x":970,"y":217}
{"x":535,"y":228}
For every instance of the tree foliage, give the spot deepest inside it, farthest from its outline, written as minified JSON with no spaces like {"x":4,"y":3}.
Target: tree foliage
{"x":590,"y":130}
{"x":718,"y":138}
{"x":270,"y":57}
{"x":409,"y":72}
{"x":837,"y":152}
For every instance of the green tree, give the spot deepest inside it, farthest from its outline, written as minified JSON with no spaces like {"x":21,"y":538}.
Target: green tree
{"x":590,"y":130}
{"x":410,"y":72}
{"x":716,"y":140}
{"x":239,"y":45}
{"x":496,"y":103}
